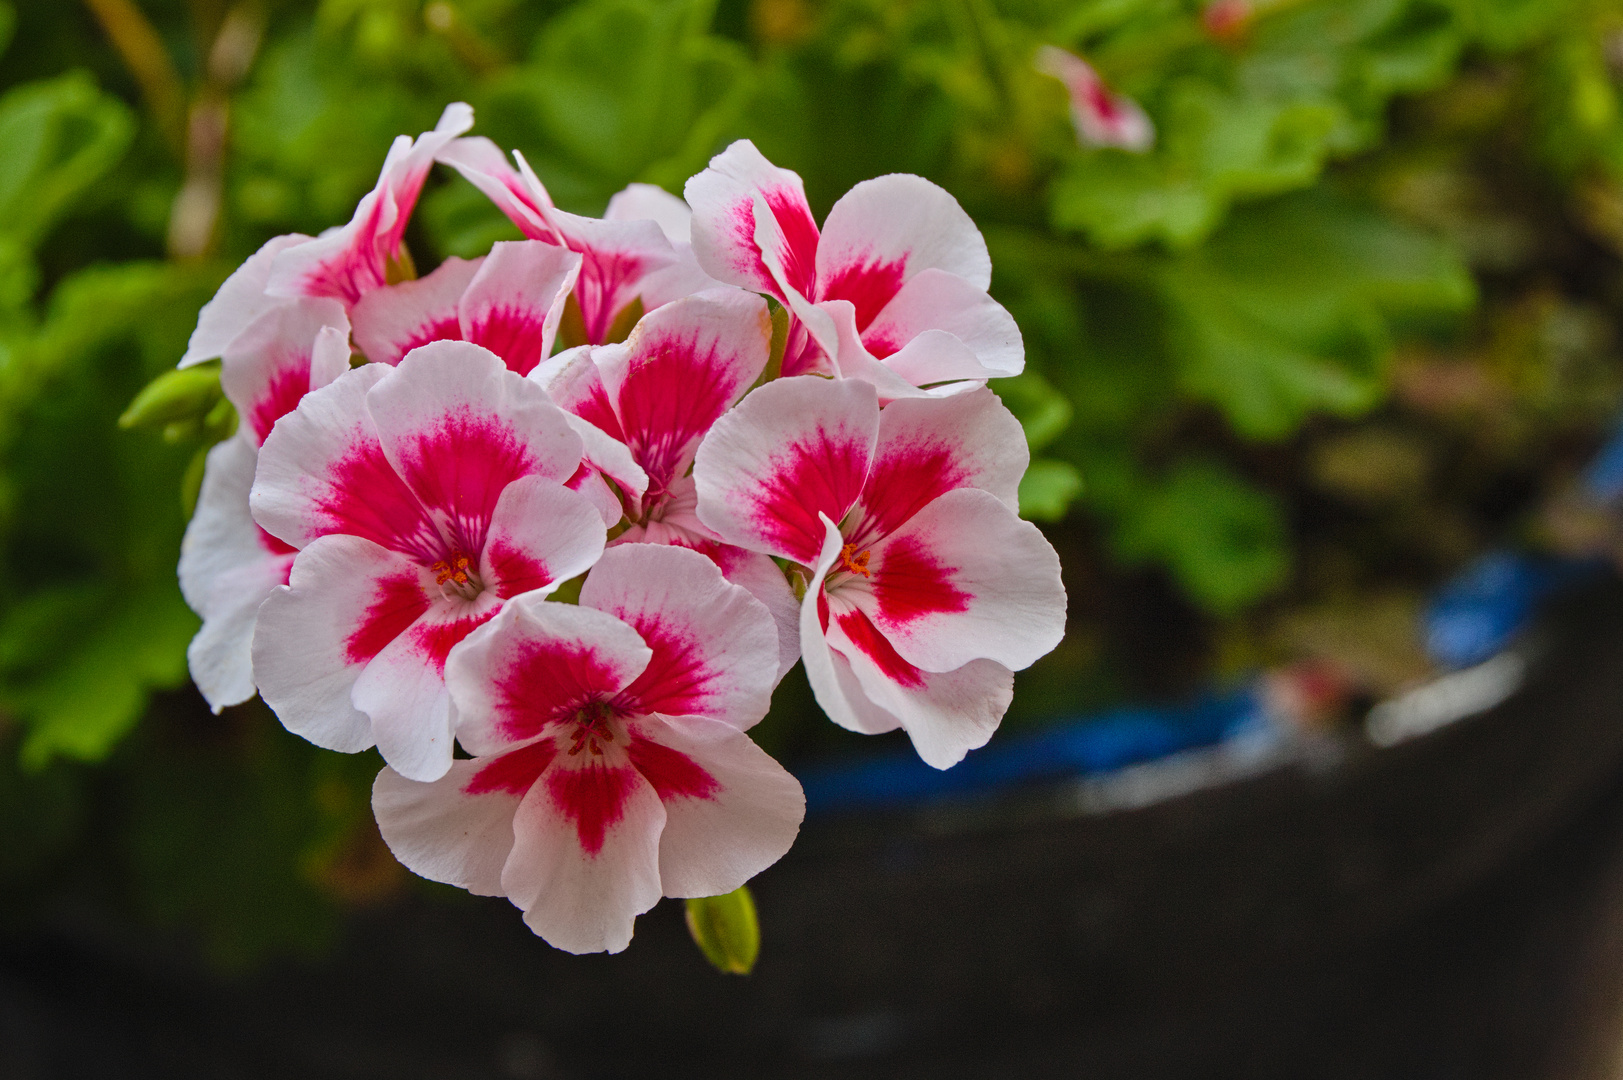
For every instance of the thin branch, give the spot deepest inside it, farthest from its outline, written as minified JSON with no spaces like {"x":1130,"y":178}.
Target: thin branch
{"x":142,"y":50}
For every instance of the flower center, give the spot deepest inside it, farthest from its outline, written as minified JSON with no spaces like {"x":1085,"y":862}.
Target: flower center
{"x":853,"y":562}
{"x":455,"y":575}
{"x":592,"y":729}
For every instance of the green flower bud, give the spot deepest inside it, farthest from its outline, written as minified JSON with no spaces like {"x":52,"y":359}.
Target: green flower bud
{"x":726,"y":930}
{"x":183,"y":396}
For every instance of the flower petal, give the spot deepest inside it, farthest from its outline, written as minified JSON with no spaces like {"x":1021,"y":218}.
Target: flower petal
{"x":937,"y":300}
{"x":513,"y":304}
{"x":616,"y":257}
{"x":239,"y":301}
{"x":274,"y":361}
{"x":715,"y":648}
{"x":348,"y":262}
{"x":346,"y":600}
{"x":458,"y":427}
{"x":884,"y":231}
{"x":793,"y":449}
{"x":731,"y":811}
{"x":649,"y":202}
{"x":574,"y":381}
{"x":392,"y":321}
{"x":403,"y":689}
{"x":741,"y":199}
{"x":228,"y":566}
{"x":683,"y":366}
{"x":517,"y":194}
{"x":945,"y":714}
{"x":966,"y":579}
{"x":758,"y":575}
{"x":929,"y":446}
{"x":534,"y":664}
{"x":541,"y":534}
{"x":585,"y":859}
{"x":837,"y":691}
{"x":457,"y":829}
{"x":322,"y":470}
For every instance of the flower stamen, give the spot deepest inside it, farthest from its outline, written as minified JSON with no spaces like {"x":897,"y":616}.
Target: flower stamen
{"x":853,"y":562}
{"x":591,"y":724}
{"x":454,"y":575}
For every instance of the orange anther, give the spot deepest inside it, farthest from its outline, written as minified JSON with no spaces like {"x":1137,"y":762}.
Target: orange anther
{"x":856,"y":564}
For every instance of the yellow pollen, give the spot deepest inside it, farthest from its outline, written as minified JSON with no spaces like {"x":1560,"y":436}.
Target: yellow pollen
{"x":454,"y":571}
{"x":856,"y":564}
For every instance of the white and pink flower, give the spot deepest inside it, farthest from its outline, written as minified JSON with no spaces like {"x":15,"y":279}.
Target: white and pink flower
{"x":350,"y":261}
{"x":378,"y":546}
{"x":228,"y":564}
{"x":420,"y":498}
{"x":925,"y":590}
{"x":638,"y":250}
{"x":509,"y":301}
{"x":343,"y":263}
{"x":611,"y":765}
{"x":279,"y":326}
{"x":891,"y":290}
{"x":1102,"y":118}
{"x":657,"y":394}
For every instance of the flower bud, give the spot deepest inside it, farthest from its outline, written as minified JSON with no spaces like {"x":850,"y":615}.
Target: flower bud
{"x":181,"y":397}
{"x":726,"y":930}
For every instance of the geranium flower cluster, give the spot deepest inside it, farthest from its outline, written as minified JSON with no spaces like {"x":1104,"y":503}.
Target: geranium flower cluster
{"x":589,"y":568}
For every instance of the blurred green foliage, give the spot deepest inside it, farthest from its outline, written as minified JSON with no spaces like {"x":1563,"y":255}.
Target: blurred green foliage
{"x":1335,"y":184}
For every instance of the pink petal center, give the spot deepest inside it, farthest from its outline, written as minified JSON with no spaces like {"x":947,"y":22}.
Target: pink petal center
{"x":869,"y":284}
{"x":912,"y":582}
{"x":673,"y":774}
{"x":398,"y":602}
{"x":593,"y":797}
{"x":290,"y":383}
{"x":515,"y":772}
{"x":866,"y":637}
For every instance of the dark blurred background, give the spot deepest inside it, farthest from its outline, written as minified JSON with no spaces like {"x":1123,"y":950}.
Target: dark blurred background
{"x":1345,"y":335}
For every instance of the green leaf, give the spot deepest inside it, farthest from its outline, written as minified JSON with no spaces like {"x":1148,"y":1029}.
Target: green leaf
{"x":57,"y":137}
{"x":1042,"y":410}
{"x":82,"y":648}
{"x":726,"y":930}
{"x":1288,"y":311}
{"x":1215,"y":147}
{"x":90,"y":697}
{"x":621,"y":90}
{"x":1223,"y":539}
{"x":1048,"y":489}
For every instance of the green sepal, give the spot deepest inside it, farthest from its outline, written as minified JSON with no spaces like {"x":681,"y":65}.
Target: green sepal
{"x":780,"y":341}
{"x":726,"y":930}
{"x":400,"y":266}
{"x":628,"y":317}
{"x":569,"y":591}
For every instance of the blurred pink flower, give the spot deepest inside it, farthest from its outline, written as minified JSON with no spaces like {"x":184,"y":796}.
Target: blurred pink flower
{"x":1101,"y":117}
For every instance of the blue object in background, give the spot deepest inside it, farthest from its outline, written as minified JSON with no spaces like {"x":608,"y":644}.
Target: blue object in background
{"x":1076,"y":747}
{"x":1603,"y":480}
{"x":1481,"y":608}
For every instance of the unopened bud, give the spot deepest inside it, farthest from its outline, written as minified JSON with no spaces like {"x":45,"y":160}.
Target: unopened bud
{"x":726,"y":930}
{"x":182,"y":396}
